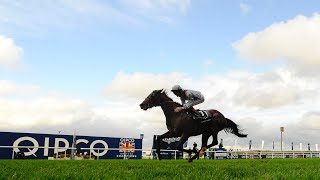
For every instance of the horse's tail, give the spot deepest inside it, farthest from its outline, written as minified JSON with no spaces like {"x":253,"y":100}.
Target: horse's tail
{"x":233,"y":128}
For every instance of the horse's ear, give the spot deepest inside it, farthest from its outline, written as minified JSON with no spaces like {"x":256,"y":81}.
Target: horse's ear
{"x":163,"y":90}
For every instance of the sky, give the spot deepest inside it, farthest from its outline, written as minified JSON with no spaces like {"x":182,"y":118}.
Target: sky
{"x":86,"y":65}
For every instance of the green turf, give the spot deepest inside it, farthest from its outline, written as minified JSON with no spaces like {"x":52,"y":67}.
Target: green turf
{"x":165,"y":169}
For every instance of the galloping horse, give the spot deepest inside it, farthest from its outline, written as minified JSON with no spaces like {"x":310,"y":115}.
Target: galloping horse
{"x":183,"y":125}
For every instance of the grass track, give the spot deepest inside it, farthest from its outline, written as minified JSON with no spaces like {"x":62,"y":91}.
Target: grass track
{"x":165,"y":169}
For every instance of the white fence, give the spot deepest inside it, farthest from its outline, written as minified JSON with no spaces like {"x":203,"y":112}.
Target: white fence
{"x":209,"y":154}
{"x":265,"y":154}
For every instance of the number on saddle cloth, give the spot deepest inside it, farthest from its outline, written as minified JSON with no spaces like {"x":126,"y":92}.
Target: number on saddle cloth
{"x":204,"y":114}
{"x":200,"y":115}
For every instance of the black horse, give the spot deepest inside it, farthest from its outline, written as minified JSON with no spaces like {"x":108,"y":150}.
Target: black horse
{"x":183,"y":125}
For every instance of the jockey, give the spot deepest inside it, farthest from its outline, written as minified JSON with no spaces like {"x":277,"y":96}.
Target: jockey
{"x":192,"y":97}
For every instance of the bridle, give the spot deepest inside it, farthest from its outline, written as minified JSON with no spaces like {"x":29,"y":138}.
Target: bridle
{"x":149,"y":102}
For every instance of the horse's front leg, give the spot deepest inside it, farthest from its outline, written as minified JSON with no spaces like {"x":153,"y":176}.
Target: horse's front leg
{"x":183,"y":139}
{"x":159,"y":139}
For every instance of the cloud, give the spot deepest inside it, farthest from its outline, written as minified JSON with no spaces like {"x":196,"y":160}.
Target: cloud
{"x":56,"y":112}
{"x":10,"y":53}
{"x":60,"y":14}
{"x":259,"y":102}
{"x":245,"y":8}
{"x":99,"y":10}
{"x":166,"y":19}
{"x":42,"y":111}
{"x":69,"y":14}
{"x":237,"y":89}
{"x":311,"y":120}
{"x":139,"y":85}
{"x":164,"y":11}
{"x":10,"y":88}
{"x":295,"y":41}
{"x":173,"y":5}
{"x":182,"y":5}
{"x":208,"y":62}
{"x":271,"y":90}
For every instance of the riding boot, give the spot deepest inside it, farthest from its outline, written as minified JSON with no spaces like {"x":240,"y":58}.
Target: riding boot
{"x":195,"y":114}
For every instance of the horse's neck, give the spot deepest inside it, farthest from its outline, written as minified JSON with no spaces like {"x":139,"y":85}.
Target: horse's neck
{"x":168,"y":110}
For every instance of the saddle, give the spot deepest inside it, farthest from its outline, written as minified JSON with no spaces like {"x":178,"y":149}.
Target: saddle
{"x":200,"y":115}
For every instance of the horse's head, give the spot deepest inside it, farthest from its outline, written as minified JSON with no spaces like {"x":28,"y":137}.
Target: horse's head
{"x":154,"y":99}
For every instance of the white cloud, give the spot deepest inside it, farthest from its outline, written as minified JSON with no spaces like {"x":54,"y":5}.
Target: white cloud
{"x":58,"y":14}
{"x":296,"y":41}
{"x":10,"y":53}
{"x":42,"y":111}
{"x":9,"y":88}
{"x":245,"y":8}
{"x":173,"y":5}
{"x":99,"y":9}
{"x":257,"y":90}
{"x":270,"y":90}
{"x":311,"y":120}
{"x":164,"y":11}
{"x":182,"y":5}
{"x":138,"y":85}
{"x":231,"y":90}
{"x":166,"y":19}
{"x":72,"y":14}
{"x":259,"y":102}
{"x":208,"y":62}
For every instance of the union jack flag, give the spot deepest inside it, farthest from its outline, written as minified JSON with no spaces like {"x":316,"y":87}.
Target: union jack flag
{"x":126,"y":146}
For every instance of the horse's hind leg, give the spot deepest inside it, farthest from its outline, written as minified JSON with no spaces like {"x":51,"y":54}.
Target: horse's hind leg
{"x":214,"y":140}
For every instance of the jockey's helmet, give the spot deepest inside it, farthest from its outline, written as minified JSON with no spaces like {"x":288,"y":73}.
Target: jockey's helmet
{"x":176,"y":88}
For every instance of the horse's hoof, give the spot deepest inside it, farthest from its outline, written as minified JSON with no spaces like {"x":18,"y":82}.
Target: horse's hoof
{"x":190,"y":161}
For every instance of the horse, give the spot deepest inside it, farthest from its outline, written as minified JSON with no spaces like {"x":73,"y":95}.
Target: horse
{"x":181,"y":124}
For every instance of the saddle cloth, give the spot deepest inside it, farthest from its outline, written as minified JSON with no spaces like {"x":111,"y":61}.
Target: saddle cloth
{"x":204,"y":114}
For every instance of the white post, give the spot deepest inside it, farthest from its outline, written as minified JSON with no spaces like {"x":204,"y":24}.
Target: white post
{"x":73,"y":145}
{"x":12,"y":153}
{"x":300,"y":146}
{"x":98,"y":154}
{"x":175,"y":155}
{"x":281,"y":131}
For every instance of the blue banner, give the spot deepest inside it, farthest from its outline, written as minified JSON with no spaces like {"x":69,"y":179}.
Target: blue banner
{"x":168,"y":144}
{"x":55,"y":144}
